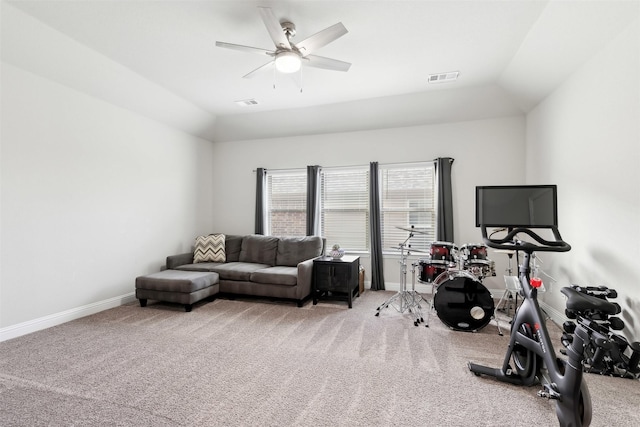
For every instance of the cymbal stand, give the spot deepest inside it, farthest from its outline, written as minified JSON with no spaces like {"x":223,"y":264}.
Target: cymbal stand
{"x":405,"y":300}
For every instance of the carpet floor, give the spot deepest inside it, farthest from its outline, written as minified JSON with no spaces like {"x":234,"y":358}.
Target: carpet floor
{"x":259,"y":363}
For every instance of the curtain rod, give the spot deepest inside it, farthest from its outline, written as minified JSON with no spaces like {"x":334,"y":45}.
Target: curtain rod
{"x":353,"y":166}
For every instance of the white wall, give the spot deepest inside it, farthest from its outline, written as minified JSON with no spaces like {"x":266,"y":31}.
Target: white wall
{"x":585,"y":137}
{"x":92,"y":196}
{"x":485,"y":152}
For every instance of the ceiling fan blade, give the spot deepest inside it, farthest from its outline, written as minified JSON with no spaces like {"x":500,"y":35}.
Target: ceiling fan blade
{"x":243,"y":48}
{"x":323,"y":38}
{"x":259,"y":69}
{"x":274,"y":28}
{"x":327,"y":63}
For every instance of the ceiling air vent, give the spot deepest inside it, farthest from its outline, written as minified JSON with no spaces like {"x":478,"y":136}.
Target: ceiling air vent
{"x":247,"y":102}
{"x":443,"y":77}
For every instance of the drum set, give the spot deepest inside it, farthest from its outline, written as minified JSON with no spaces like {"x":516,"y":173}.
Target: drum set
{"x":458,"y":296}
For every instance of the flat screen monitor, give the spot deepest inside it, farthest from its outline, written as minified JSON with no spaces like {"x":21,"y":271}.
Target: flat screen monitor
{"x":528,"y":206}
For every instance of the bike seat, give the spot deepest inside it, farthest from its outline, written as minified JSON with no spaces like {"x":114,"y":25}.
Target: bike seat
{"x":579,"y":301}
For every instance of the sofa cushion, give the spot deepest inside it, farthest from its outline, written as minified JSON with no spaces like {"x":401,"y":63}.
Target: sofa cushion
{"x":276,"y":276}
{"x":259,"y":249}
{"x":209,"y":248}
{"x":238,"y":270}
{"x":201,"y":266}
{"x":293,"y":250}
{"x":233,"y":245}
{"x":177,"y":281}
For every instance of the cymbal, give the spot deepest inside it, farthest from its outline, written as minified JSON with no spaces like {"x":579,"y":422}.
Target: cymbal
{"x":419,"y":230}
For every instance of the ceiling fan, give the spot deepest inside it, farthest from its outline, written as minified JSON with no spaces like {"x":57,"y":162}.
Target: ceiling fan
{"x":287,"y":56}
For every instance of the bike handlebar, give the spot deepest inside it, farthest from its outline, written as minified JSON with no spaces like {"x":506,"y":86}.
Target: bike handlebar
{"x":510,"y":243}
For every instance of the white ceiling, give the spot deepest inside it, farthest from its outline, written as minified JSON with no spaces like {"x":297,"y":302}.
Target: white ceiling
{"x":510,"y":55}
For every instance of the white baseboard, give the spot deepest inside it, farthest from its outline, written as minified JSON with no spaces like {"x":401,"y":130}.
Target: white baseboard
{"x":420,"y":287}
{"x":34,"y":325}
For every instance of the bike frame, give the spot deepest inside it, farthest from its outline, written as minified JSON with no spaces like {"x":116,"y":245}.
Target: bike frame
{"x":562,"y":381}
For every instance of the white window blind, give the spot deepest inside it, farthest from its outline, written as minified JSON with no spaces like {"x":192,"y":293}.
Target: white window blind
{"x":406,"y":200}
{"x":407,"y":194}
{"x":344,"y":194}
{"x":286,"y":205}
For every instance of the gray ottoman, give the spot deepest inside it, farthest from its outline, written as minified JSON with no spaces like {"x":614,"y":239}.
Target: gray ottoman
{"x":182,"y":287}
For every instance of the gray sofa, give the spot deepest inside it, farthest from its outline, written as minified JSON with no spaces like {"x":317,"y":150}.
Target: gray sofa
{"x":263,"y":266}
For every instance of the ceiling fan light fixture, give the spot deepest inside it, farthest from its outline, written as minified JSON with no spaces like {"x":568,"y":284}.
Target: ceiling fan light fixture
{"x":288,"y":62}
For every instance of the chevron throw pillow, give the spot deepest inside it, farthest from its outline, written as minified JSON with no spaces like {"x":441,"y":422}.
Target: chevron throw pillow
{"x":209,"y":249}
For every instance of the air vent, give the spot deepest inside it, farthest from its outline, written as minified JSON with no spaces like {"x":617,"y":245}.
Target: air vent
{"x":443,"y":77}
{"x":247,"y":102}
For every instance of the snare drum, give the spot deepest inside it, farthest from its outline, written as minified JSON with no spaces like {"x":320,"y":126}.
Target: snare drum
{"x":442,"y":253}
{"x":479,"y":271}
{"x":480,"y":268}
{"x":428,"y":270}
{"x":461,"y":302}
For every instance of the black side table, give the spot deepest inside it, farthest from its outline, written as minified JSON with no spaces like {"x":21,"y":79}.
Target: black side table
{"x":336,"y":279}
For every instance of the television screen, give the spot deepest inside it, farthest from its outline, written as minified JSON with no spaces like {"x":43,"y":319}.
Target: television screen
{"x":529,"y":206}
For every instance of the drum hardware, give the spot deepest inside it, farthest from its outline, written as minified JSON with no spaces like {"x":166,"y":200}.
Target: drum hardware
{"x":406,"y":300}
{"x":480,"y":269}
{"x":512,"y":287}
{"x":475,"y":260}
{"x":409,"y":249}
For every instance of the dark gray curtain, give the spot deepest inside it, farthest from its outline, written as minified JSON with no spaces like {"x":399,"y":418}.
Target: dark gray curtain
{"x":260,"y":194}
{"x":313,"y":205}
{"x":445,"y":199}
{"x":377,"y":271}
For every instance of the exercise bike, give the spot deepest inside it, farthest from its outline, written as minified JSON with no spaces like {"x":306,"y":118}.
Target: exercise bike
{"x":530,"y":356}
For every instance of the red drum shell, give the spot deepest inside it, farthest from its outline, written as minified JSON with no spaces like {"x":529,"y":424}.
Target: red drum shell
{"x":442,"y":252}
{"x":429,"y":271}
{"x":475,"y":251}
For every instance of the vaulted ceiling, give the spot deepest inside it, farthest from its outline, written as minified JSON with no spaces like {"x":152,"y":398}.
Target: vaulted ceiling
{"x":510,"y":55}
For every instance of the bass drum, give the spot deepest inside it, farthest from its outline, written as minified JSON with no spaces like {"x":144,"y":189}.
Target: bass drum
{"x":461,"y":302}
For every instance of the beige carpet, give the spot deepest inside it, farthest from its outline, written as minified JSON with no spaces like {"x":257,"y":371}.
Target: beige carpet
{"x":257,"y":363}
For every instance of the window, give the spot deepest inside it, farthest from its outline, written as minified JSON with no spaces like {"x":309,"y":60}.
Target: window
{"x":286,"y":204}
{"x":406,"y":200}
{"x":344,"y":207}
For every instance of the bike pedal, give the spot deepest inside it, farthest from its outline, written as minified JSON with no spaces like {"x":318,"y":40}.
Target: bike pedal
{"x":549,"y":393}
{"x":509,"y":370}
